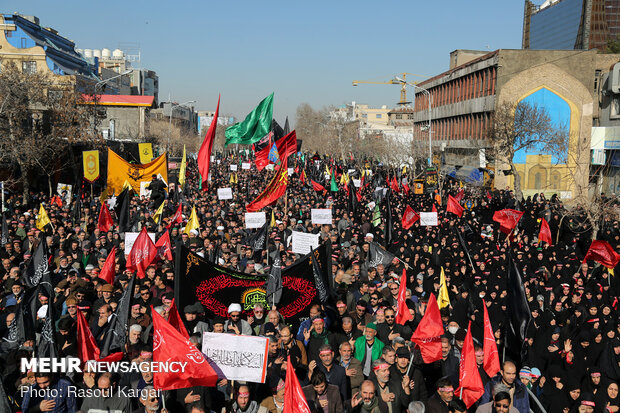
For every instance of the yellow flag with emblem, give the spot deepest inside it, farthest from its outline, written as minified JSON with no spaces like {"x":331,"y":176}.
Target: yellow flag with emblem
{"x":90,"y":160}
{"x":192,"y":223}
{"x":444,"y":299}
{"x":42,"y":218}
{"x":158,"y":213}
{"x":182,"y":170}
{"x":146,"y":152}
{"x":273,"y":220}
{"x":120,"y":171}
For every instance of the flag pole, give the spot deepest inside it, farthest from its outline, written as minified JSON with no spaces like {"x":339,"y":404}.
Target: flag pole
{"x":410,"y":364}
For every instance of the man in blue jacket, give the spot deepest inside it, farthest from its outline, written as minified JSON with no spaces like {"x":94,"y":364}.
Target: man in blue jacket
{"x":508,"y":376}
{"x":49,"y":394}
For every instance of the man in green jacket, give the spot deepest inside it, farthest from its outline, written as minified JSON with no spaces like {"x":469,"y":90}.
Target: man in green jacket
{"x":368,"y":348}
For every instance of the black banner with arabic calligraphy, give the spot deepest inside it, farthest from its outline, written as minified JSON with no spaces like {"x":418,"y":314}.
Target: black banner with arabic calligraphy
{"x":216,"y":287}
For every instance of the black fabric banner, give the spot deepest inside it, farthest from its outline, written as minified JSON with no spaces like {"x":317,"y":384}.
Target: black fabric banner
{"x":216,"y":287}
{"x":518,"y":313}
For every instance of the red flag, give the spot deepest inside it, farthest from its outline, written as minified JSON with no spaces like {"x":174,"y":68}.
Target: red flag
{"x":105,"y":220}
{"x":459,"y":196}
{"x":358,"y":195}
{"x":491,"y":356}
{"x":507,"y":219}
{"x":394,"y":185}
{"x":303,"y":177}
{"x":603,"y":253}
{"x":409,"y":217}
{"x":406,"y":189}
{"x":274,"y":190}
{"x":402,"y":314}
{"x":294,"y":399}
{"x":428,"y":333}
{"x":87,"y":346}
{"x":174,"y":318}
{"x":287,"y":145}
{"x":142,"y":254}
{"x":164,"y":248}
{"x":318,"y":187}
{"x":108,"y":272}
{"x":544,"y":235}
{"x":170,"y":346}
{"x":434,"y":208}
{"x":204,"y":154}
{"x":261,"y":158}
{"x":470,"y":384}
{"x":454,"y":206}
{"x":489,"y":197}
{"x":177,"y":218}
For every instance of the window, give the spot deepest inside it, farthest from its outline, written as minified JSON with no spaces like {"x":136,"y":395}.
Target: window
{"x":365,"y":115}
{"x":378,"y":116}
{"x":597,"y":75}
{"x":29,"y":67}
{"x":410,"y":116}
{"x":399,"y":116}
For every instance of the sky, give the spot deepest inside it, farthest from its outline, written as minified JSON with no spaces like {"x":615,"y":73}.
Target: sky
{"x":305,"y":52}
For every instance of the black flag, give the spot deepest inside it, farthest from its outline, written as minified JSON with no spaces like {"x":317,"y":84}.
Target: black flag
{"x":273,"y":291}
{"x":287,"y":128}
{"x":38,"y":266}
{"x":116,"y":335}
{"x":352,"y":205}
{"x":122,"y":210}
{"x":518,"y":312}
{"x":319,"y":280}
{"x":466,"y":250}
{"x":377,"y":255}
{"x":47,"y":342}
{"x":76,"y":211}
{"x":6,"y":405}
{"x":257,"y":241}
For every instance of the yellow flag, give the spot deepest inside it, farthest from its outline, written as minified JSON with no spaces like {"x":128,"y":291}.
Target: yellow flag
{"x":146,"y":152}
{"x":157,"y":215}
{"x":232,"y":179}
{"x":42,"y":218}
{"x":182,"y":170}
{"x":404,"y":170}
{"x":90,"y":160}
{"x":444,"y":299}
{"x":273,"y":219}
{"x":327,"y":170}
{"x":127,"y":185}
{"x":120,"y":171}
{"x":192,"y":223}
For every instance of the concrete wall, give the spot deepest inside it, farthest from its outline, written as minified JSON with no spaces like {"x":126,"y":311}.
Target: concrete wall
{"x":129,"y":121}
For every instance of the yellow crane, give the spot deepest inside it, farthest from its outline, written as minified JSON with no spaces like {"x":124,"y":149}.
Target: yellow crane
{"x":403,"y":85}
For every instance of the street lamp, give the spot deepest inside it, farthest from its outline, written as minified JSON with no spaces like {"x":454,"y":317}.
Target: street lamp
{"x":429,"y":126}
{"x":101,"y":83}
{"x":170,"y":121}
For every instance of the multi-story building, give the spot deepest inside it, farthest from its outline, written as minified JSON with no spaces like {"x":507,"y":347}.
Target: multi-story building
{"x":571,"y":24}
{"x":465,"y":97}
{"x":205,"y":117}
{"x":182,"y":115}
{"x":34,"y":48}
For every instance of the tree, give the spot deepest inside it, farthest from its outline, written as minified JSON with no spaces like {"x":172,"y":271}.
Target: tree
{"x":172,"y":137}
{"x":526,"y":127}
{"x":613,"y":45}
{"x":40,"y":120}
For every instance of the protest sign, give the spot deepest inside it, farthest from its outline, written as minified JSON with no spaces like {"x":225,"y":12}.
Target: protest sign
{"x":321,"y":216}
{"x":130,"y":239}
{"x":233,"y":167}
{"x":428,"y":219}
{"x":302,"y":242}
{"x":246,"y":165}
{"x":254,"y":219}
{"x":237,"y":357}
{"x":224,"y":193}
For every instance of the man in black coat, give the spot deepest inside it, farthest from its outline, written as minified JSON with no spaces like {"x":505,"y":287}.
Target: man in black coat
{"x":334,"y":373}
{"x":157,"y":188}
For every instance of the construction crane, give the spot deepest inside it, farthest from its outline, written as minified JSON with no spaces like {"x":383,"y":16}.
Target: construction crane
{"x":403,"y":86}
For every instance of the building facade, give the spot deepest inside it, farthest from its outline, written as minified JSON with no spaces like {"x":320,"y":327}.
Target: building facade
{"x":123,"y":117}
{"x":34,"y":48}
{"x":465,"y":97}
{"x":571,"y":24}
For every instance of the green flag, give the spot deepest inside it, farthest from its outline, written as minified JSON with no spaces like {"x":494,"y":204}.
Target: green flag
{"x":333,"y":184}
{"x":255,"y":126}
{"x":376,"y":216}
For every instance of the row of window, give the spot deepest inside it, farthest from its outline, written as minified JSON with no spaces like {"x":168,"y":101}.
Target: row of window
{"x":471,"y":126}
{"x":471,"y":86}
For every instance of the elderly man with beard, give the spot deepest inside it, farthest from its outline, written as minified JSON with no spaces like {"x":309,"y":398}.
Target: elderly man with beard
{"x":395,"y":395}
{"x":368,"y":348}
{"x":352,"y":366}
{"x":366,"y":400}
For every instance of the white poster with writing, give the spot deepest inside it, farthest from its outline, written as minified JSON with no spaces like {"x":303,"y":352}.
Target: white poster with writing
{"x":237,"y":357}
{"x":233,"y":167}
{"x":224,"y":193}
{"x":130,"y":239}
{"x":303,"y":242}
{"x":255,"y":219}
{"x":246,"y":165}
{"x":321,"y":216}
{"x":428,"y":219}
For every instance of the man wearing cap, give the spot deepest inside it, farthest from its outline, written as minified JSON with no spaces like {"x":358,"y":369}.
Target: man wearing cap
{"x":235,"y":324}
{"x":106,"y":296}
{"x":368,"y":348}
{"x":193,"y":325}
{"x":399,"y":369}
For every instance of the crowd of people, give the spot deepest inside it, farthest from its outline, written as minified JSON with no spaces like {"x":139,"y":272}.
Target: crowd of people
{"x":356,"y":358}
